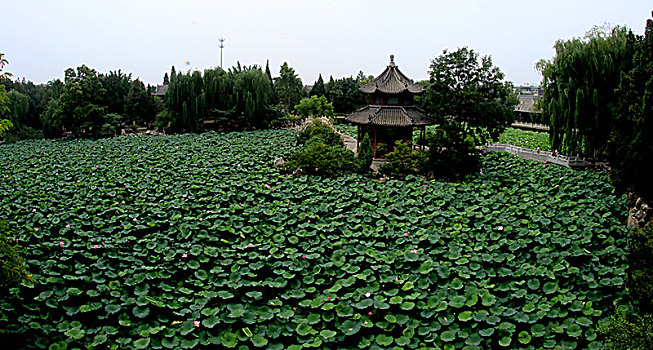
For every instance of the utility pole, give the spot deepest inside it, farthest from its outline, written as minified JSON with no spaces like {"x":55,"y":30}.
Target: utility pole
{"x":221,"y":46}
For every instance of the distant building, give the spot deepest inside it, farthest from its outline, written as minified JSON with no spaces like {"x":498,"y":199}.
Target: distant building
{"x":307,"y":88}
{"x":531,"y":90}
{"x":160,"y":91}
{"x":525,"y":110}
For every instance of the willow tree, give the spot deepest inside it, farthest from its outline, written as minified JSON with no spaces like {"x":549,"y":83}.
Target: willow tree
{"x":579,"y":89}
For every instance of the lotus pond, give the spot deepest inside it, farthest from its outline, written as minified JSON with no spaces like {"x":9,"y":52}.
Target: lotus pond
{"x":195,"y":241}
{"x":525,"y":138}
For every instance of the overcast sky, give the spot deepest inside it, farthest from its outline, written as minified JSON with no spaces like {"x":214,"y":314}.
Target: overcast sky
{"x":43,"y":38}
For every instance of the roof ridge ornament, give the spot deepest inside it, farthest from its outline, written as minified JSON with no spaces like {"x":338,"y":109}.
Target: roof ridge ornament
{"x":392,"y":61}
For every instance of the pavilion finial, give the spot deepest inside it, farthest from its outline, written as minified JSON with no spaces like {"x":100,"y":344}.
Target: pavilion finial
{"x":392,"y":58}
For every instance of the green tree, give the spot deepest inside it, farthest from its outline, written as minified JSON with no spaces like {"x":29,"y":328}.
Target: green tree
{"x":402,"y":161}
{"x":116,"y":85}
{"x":140,"y":106}
{"x":318,"y":88}
{"x":288,"y":87}
{"x":471,"y":90}
{"x":452,"y":152}
{"x":344,"y":95}
{"x":5,"y":124}
{"x":314,"y":106}
{"x":579,"y":89}
{"x":631,"y":138}
{"x":366,"y":153}
{"x":80,"y":108}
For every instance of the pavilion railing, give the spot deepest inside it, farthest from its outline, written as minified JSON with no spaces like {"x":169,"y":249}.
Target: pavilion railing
{"x":527,"y":153}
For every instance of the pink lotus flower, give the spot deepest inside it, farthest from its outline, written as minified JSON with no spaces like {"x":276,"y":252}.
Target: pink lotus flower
{"x":36,"y":228}
{"x":303,"y":256}
{"x":61,"y":243}
{"x":68,"y":226}
{"x":134,"y":220}
{"x":500,"y":228}
{"x":33,"y":210}
{"x":184,"y":255}
{"x":96,"y":246}
{"x":200,"y":219}
{"x":122,"y":202}
{"x":196,"y":323}
{"x":405,"y":234}
{"x":369,"y":313}
{"x":267,"y":186}
{"x":309,"y":221}
{"x":250,"y":245}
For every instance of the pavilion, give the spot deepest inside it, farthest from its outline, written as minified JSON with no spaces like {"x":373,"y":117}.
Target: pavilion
{"x":390,"y":116}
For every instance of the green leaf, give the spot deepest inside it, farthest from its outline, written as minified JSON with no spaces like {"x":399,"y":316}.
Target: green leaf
{"x":448,"y":336}
{"x":505,"y":341}
{"x":229,"y":340}
{"x":524,"y":337}
{"x":465,"y":316}
{"x":211,"y":321}
{"x":327,"y":334}
{"x":304,"y":329}
{"x":384,"y":340}
{"x":259,"y":341}
{"x":574,"y":330}
{"x":141,"y":312}
{"x":142,"y":343}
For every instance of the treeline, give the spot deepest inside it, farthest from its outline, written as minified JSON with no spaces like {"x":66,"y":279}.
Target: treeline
{"x":86,"y":103}
{"x":598,"y":95}
{"x":92,"y":104}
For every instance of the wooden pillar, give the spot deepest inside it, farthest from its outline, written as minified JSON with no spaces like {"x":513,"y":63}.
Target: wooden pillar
{"x":358,"y":138}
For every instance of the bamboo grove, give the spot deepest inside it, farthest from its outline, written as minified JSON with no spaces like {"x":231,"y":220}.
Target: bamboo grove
{"x":240,"y":97}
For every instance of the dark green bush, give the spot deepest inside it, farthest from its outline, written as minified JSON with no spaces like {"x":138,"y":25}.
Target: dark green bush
{"x":325,"y":132}
{"x":381,"y":150}
{"x":403,"y":161}
{"x":317,"y":158}
{"x":635,"y":330}
{"x":452,"y":152}
{"x":365,"y":153}
{"x":627,"y":332}
{"x":12,"y":266}
{"x":640,"y":274}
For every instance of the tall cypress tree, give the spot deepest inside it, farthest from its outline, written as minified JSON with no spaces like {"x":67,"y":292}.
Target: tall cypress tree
{"x":318,"y":88}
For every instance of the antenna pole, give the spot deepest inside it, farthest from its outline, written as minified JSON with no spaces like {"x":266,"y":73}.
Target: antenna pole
{"x":221,"y":46}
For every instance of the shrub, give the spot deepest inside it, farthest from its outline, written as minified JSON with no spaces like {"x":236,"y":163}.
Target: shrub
{"x":324,"y":131}
{"x":12,"y":266}
{"x":365,"y":153}
{"x":402,"y":161}
{"x":627,"y":331}
{"x":640,"y":261}
{"x":317,"y":158}
{"x":314,"y":106}
{"x":452,"y":152}
{"x":381,"y":150}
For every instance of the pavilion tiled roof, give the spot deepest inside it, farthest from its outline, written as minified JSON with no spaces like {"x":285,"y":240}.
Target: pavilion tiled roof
{"x":391,"y":81}
{"x":379,"y":115}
